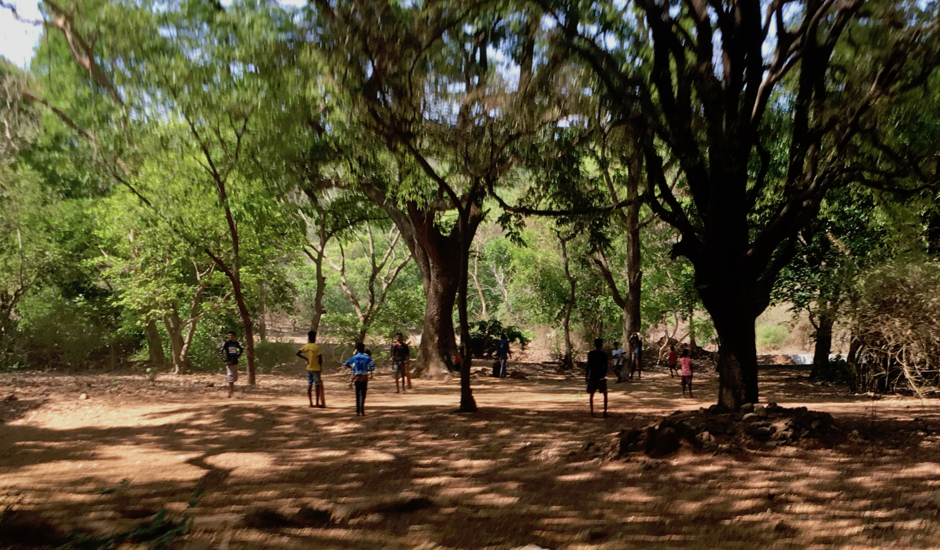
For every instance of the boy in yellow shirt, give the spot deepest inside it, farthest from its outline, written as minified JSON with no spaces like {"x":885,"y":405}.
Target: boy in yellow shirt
{"x":311,"y":353}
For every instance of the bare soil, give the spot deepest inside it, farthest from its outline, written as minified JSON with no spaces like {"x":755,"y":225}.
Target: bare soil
{"x":532,"y":467}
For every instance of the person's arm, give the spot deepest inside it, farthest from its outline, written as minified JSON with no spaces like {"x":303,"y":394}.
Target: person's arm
{"x":371,"y":369}
{"x":302,"y":355}
{"x":320,"y":359}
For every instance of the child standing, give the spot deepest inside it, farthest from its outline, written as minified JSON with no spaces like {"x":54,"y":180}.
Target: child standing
{"x":597,"y":373}
{"x":617,"y":354}
{"x":400,"y":356}
{"x":686,"y":371}
{"x":672,"y":358}
{"x":230,"y":351}
{"x":311,"y":353}
{"x":362,"y":369}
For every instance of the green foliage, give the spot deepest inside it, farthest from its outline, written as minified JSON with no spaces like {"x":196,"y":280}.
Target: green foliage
{"x":485,"y":335}
{"x":772,"y":336}
{"x":156,"y":534}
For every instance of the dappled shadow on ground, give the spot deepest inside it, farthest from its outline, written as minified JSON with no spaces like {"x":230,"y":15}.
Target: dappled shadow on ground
{"x":515,"y":473}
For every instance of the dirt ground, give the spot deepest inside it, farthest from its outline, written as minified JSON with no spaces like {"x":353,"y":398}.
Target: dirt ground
{"x":519,"y":472}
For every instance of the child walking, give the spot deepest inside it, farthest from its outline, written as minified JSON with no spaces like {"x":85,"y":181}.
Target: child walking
{"x":230,"y":351}
{"x":362,"y":369}
{"x":596,"y":374}
{"x":686,"y":371}
{"x":672,"y":358}
{"x":311,"y":353}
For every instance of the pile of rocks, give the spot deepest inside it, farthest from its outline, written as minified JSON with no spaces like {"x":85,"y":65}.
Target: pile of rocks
{"x":714,"y":429}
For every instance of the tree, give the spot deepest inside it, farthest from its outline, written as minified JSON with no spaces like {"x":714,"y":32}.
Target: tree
{"x":758,"y":142}
{"x":27,"y":250}
{"x":426,"y":87}
{"x":197,"y":63}
{"x":383,"y":270}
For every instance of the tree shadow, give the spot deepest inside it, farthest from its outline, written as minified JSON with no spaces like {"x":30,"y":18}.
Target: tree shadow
{"x":515,"y":473}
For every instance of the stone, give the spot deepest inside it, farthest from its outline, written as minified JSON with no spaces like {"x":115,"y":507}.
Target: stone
{"x":750,"y":416}
{"x":265,"y":518}
{"x":747,"y":407}
{"x":83,"y":396}
{"x":760,"y":411}
{"x":661,"y":442}
{"x":312,"y":517}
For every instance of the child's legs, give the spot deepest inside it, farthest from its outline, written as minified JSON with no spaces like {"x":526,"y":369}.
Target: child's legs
{"x":405,"y":374}
{"x":231,"y":375}
{"x":358,"y":396}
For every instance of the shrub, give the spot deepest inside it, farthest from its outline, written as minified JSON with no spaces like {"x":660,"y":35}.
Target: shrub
{"x":772,"y":336}
{"x":896,"y":323}
{"x":484,"y":335}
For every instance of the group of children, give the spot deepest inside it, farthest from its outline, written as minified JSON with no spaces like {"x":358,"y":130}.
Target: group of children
{"x":596,"y":369}
{"x":363,"y":367}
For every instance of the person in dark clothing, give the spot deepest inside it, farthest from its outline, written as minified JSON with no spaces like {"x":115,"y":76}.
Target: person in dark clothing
{"x":400,"y":356}
{"x":636,"y":356}
{"x":230,"y":351}
{"x":362,"y":369}
{"x":503,"y":354}
{"x":597,"y":373}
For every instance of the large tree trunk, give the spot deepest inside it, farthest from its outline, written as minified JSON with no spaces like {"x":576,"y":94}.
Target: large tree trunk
{"x":154,"y":344}
{"x":730,"y":306}
{"x":441,"y":285}
{"x":438,"y":259}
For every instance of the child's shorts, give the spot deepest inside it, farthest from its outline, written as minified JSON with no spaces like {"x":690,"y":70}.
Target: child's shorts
{"x":231,"y":371}
{"x":597,"y":385}
{"x":313,"y":378}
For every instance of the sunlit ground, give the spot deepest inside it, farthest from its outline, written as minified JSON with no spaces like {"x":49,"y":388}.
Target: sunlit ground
{"x":513,"y":474}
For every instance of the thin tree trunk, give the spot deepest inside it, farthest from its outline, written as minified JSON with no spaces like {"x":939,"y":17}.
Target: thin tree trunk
{"x":476,"y":283}
{"x":262,"y":322}
{"x":154,"y":344}
{"x":568,"y":361}
{"x":178,"y":348}
{"x":467,"y":402}
{"x":317,"y":260}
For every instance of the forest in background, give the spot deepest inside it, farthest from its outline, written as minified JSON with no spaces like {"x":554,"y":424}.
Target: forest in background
{"x":173,"y":170}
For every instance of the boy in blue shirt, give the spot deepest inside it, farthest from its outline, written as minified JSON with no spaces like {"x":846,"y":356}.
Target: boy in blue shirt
{"x":362,"y":369}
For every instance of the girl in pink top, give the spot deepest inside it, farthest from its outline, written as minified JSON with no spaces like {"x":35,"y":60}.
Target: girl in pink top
{"x":686,"y":371}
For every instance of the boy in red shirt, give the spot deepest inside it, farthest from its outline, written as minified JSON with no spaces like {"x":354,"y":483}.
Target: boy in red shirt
{"x":671,"y":359}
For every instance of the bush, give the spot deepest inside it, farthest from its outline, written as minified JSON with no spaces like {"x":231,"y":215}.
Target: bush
{"x":772,"y":336}
{"x":835,"y":372}
{"x":484,"y":335}
{"x":896,"y":323}
{"x":54,"y":331}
